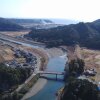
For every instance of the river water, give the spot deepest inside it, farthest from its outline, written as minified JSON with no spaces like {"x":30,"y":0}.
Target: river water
{"x":52,"y":86}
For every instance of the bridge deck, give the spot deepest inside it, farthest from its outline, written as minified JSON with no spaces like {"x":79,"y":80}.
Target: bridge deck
{"x":49,"y":72}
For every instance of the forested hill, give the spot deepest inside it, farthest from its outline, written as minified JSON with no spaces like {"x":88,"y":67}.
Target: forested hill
{"x":33,"y":23}
{"x":86,"y":34}
{"x":6,"y":25}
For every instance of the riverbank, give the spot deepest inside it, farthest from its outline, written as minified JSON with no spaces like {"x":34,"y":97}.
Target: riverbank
{"x":73,"y":52}
{"x":35,"y":89}
{"x":55,"y":52}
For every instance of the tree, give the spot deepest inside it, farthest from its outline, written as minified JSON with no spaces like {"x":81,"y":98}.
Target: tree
{"x":78,"y":89}
{"x":76,"y":66}
{"x":15,"y":96}
{"x":11,"y":77}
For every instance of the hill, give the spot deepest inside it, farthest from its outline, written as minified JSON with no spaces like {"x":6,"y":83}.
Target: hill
{"x":41,"y":23}
{"x":6,"y":25}
{"x":32,"y":23}
{"x":86,"y":34}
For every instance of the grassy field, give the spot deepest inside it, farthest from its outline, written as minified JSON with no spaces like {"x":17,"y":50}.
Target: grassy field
{"x":6,"y":54}
{"x":92,"y":60}
{"x":14,"y":33}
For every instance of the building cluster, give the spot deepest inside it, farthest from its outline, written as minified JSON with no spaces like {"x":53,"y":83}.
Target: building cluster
{"x":90,"y":72}
{"x":22,"y":59}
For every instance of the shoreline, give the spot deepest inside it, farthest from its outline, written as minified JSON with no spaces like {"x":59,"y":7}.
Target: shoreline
{"x":35,"y":89}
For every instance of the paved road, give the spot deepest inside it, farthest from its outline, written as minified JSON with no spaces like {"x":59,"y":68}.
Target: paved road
{"x":20,"y":40}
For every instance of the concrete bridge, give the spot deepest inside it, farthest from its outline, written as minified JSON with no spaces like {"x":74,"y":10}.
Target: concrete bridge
{"x":52,"y":73}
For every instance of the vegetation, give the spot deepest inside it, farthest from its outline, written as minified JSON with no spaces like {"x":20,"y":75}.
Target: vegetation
{"x":14,"y":96}
{"x":29,"y":84}
{"x":86,"y":34}
{"x":6,"y":25}
{"x":18,"y":95}
{"x":10,"y":78}
{"x":80,"y":90}
{"x":76,"y":66}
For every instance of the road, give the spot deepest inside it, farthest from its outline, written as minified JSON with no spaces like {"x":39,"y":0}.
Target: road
{"x":20,"y":40}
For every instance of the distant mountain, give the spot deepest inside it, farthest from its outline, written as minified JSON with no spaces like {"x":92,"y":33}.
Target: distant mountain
{"x":32,"y":21}
{"x":6,"y":25}
{"x":42,"y":23}
{"x":85,"y":34}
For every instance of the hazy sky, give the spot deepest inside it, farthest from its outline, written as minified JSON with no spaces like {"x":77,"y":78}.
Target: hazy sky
{"x":82,"y":10}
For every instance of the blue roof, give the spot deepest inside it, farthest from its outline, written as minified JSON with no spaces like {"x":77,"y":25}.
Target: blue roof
{"x":99,"y":88}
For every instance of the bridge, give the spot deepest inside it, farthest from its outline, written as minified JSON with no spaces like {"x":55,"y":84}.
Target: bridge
{"x":52,"y":73}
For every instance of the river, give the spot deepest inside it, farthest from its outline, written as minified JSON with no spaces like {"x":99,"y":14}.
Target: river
{"x":52,"y":86}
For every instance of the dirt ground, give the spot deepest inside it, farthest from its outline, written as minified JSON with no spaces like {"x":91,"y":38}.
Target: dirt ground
{"x":14,"y":33}
{"x":6,"y":54}
{"x":92,"y":60}
{"x":91,"y":57}
{"x":55,"y":52}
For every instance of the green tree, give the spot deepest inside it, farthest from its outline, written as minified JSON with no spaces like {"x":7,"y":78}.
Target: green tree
{"x":11,"y":77}
{"x":76,"y":66}
{"x":80,"y":90}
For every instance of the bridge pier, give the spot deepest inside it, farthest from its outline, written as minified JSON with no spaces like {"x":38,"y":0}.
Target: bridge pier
{"x":56,"y":76}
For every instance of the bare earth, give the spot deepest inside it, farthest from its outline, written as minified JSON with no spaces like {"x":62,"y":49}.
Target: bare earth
{"x":14,"y":33}
{"x":35,"y":89}
{"x":55,"y":52}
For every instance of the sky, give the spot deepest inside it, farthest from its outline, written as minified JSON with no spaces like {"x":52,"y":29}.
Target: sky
{"x":81,"y":10}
